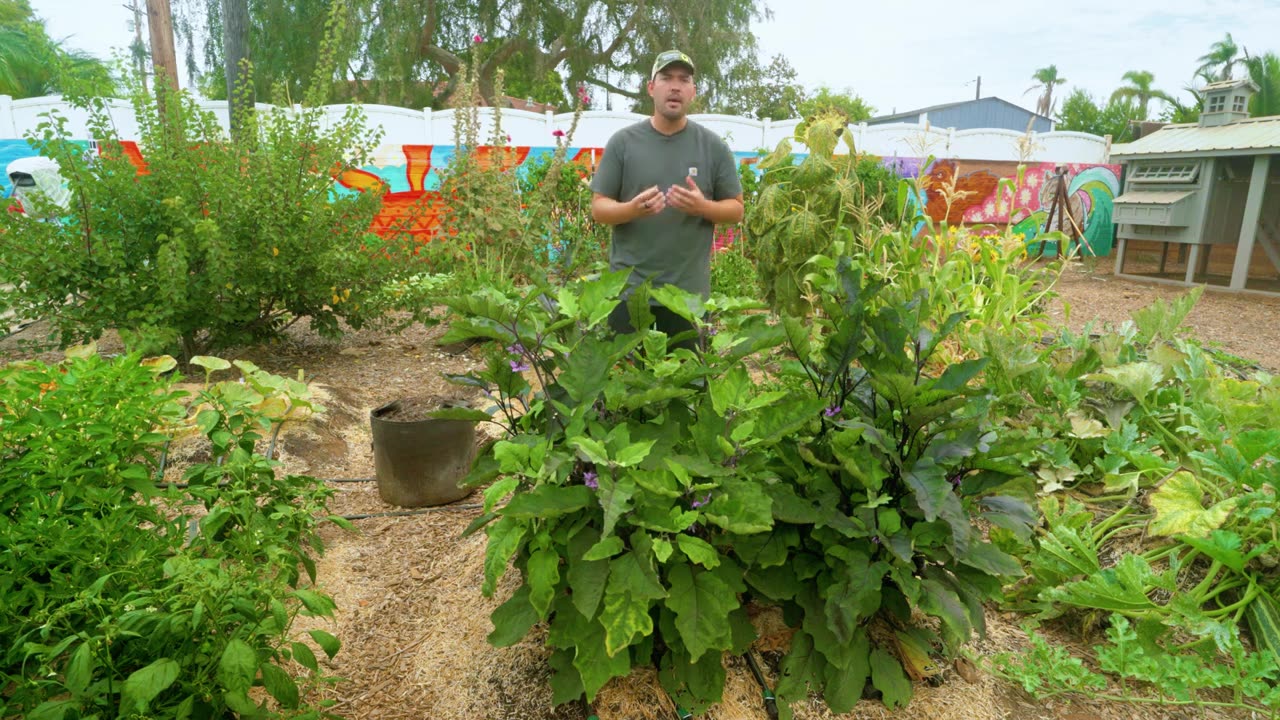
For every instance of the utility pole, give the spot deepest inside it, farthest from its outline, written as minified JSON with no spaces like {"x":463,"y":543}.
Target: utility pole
{"x":163,"y":57}
{"x":138,"y":50}
{"x":978,"y":95}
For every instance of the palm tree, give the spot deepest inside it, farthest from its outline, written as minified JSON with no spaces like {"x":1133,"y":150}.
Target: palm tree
{"x":1264,"y":71}
{"x":1139,"y":90}
{"x":1046,"y":80}
{"x":32,"y":64}
{"x":1220,"y":60}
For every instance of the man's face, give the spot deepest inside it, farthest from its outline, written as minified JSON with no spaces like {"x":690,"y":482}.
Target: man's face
{"x":672,"y":91}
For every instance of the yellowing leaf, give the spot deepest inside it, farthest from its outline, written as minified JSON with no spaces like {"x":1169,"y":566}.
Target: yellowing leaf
{"x":1085,"y":427}
{"x":158,"y":365}
{"x":1139,"y":378}
{"x":1180,"y":510}
{"x":210,"y":363}
{"x":80,"y":352}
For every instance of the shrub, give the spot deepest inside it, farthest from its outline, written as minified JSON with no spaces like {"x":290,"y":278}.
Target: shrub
{"x":214,"y":242}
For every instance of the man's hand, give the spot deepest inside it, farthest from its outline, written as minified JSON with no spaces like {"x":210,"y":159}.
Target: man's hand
{"x":687,"y":199}
{"x":649,"y":202}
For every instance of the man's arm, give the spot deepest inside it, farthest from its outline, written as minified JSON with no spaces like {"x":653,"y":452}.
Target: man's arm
{"x":605,"y":209}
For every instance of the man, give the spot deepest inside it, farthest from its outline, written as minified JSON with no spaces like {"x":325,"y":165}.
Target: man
{"x":664,"y":184}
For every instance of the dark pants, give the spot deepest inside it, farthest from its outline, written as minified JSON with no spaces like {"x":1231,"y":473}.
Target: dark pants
{"x":664,"y":320}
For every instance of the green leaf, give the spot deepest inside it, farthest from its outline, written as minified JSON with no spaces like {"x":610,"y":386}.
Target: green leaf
{"x":634,"y":453}
{"x":566,"y":683}
{"x":854,"y":596}
{"x":1120,"y":589}
{"x":51,"y":710}
{"x":605,"y":549}
{"x":281,"y":686}
{"x":513,"y":619}
{"x":238,"y":666}
{"x":958,"y":375}
{"x":595,"y":665}
{"x":731,"y":390}
{"x":315,"y":603}
{"x":549,"y":501}
{"x":702,"y":604}
{"x":207,"y":420}
{"x":1139,"y":378}
{"x":1222,"y":546}
{"x":589,"y":449}
{"x":844,"y":685}
{"x":990,"y":559}
{"x":210,"y":363}
{"x":305,"y":657}
{"x":159,"y":365}
{"x":928,"y":481}
{"x":615,"y":497}
{"x":587,"y":576}
{"x":80,"y":669}
{"x":801,"y":668}
{"x":542,"y":575}
{"x":1180,"y":510}
{"x":698,"y":550}
{"x":888,"y":677}
{"x":328,"y":643}
{"x":142,"y":686}
{"x":505,"y":537}
{"x":740,"y":507}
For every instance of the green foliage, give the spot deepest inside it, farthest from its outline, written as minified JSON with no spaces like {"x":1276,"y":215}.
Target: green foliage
{"x":886,"y":491}
{"x":557,"y":197}
{"x":801,"y":207}
{"x":1166,"y":447}
{"x":648,"y":491}
{"x":770,"y":92}
{"x":844,"y":103}
{"x":1141,"y":664}
{"x":1264,"y":71}
{"x":33,"y":64}
{"x":123,"y":597}
{"x":217,"y":242}
{"x":1081,"y":113}
{"x":733,"y":273}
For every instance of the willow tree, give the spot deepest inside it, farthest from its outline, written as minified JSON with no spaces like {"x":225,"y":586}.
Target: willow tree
{"x":409,"y":52}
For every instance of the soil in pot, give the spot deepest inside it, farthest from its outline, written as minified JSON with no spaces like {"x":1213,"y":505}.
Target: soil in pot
{"x":420,"y":460}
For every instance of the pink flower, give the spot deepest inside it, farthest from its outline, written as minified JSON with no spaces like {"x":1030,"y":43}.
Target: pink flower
{"x":558,"y":133}
{"x":478,"y":39}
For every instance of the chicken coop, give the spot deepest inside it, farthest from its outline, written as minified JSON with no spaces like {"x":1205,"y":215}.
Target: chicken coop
{"x":1201,"y":203}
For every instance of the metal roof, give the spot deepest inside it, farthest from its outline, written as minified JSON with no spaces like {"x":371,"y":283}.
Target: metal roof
{"x":1154,"y":197}
{"x":881,"y":119}
{"x":1257,"y":136}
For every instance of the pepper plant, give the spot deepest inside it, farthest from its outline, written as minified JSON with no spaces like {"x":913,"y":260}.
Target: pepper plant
{"x":123,"y":600}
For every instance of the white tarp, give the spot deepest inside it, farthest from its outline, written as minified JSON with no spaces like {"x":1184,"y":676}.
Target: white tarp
{"x":47,"y":179}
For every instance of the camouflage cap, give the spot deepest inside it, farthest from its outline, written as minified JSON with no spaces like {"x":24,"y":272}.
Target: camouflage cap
{"x":668,"y":58}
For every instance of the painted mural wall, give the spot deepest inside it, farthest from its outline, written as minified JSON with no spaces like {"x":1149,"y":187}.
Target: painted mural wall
{"x":1078,"y":196}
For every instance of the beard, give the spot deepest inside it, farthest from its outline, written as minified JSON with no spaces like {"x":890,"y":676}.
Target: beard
{"x":673,"y":114}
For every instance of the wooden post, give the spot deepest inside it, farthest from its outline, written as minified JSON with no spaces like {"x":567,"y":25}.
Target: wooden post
{"x":1249,"y":228}
{"x":163,"y":58}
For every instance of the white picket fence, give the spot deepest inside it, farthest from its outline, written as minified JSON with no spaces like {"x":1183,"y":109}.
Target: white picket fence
{"x":402,"y":126}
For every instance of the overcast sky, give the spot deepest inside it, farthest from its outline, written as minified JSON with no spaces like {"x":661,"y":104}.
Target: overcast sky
{"x":911,"y":54}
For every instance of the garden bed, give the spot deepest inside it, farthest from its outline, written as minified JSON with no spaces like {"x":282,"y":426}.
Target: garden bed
{"x":410,"y":612}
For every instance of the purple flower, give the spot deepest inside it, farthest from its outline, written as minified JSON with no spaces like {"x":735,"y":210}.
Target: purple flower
{"x":832,"y":411}
{"x":875,"y":539}
{"x":955,"y":479}
{"x":478,"y":38}
{"x":589,"y":479}
{"x":515,"y":349}
{"x":518,"y":367}
{"x":703,"y":501}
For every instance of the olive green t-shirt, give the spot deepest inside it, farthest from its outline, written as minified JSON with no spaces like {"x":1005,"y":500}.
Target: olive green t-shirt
{"x":671,"y":247}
